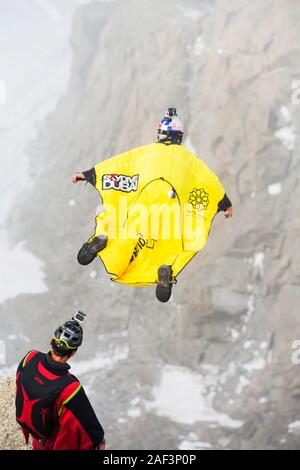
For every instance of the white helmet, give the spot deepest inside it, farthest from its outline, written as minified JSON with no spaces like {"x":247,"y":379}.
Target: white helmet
{"x":170,"y":128}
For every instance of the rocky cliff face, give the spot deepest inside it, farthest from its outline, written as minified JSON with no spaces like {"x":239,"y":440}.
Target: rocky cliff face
{"x":213,"y":368}
{"x":11,"y":437}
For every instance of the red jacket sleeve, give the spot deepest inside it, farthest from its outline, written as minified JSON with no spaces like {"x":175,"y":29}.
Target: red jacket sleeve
{"x":72,"y":436}
{"x":79,"y":426}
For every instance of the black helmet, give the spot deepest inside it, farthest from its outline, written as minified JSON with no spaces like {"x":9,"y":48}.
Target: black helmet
{"x":69,"y":335}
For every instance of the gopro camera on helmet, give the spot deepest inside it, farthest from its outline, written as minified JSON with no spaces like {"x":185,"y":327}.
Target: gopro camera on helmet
{"x":79,"y":317}
{"x":170,"y":128}
{"x":171,"y":112}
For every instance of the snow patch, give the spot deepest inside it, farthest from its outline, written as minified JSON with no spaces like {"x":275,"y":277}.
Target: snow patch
{"x":294,"y":426}
{"x":199,"y":46}
{"x":93,"y":274}
{"x":135,"y":401}
{"x":19,"y":337}
{"x":194,"y":14}
{"x":258,"y":263}
{"x":191,"y":14}
{"x":274,"y":189}
{"x":263,"y":400}
{"x":250,"y":307}
{"x":194,"y":445}
{"x":122,"y":420}
{"x":286,"y":114}
{"x":287,"y":136}
{"x":100,"y":361}
{"x":257,"y":364}
{"x":183,"y":396}
{"x":134,"y":412}
{"x":222,"y":51}
{"x":234,"y":334}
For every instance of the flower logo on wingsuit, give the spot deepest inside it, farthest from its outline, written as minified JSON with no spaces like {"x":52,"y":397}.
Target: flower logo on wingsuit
{"x":199,"y":199}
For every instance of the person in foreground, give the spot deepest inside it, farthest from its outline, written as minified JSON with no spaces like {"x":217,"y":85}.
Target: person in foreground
{"x":137,"y":236}
{"x":51,"y":404}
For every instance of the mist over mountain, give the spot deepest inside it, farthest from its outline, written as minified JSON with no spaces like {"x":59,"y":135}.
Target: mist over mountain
{"x":212,"y":368}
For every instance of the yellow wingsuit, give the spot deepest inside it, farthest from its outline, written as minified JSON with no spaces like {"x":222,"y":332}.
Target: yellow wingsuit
{"x":158,"y":205}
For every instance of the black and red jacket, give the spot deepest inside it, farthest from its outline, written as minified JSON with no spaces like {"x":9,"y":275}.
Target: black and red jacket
{"x":52,"y":407}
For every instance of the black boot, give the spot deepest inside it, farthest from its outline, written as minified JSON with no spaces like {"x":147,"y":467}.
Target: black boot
{"x":165,"y":283}
{"x":89,"y":250}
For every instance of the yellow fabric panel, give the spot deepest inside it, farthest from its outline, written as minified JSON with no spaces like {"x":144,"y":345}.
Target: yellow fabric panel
{"x":145,"y":226}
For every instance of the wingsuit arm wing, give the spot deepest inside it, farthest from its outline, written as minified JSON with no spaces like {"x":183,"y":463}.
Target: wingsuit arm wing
{"x":224,"y":204}
{"x":90,"y":176}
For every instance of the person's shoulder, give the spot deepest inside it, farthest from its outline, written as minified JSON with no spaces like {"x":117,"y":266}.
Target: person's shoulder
{"x":73,"y":383}
{"x":154,"y":148}
{"x":31,"y":354}
{"x":70,"y":390}
{"x":74,"y":379}
{"x":141,"y":149}
{"x":28,"y":357}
